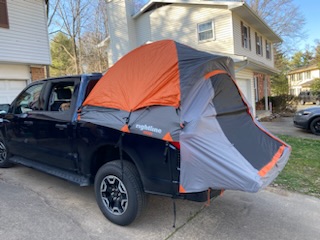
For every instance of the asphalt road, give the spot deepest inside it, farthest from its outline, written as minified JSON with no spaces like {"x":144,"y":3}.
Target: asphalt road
{"x":36,"y":206}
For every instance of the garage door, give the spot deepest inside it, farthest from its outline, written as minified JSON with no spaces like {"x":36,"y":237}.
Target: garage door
{"x":244,"y":86}
{"x":9,"y":89}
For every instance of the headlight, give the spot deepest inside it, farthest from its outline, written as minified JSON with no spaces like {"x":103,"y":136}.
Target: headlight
{"x":304,"y":113}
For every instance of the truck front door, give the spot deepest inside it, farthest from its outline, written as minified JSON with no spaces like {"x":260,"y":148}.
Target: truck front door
{"x":45,"y":133}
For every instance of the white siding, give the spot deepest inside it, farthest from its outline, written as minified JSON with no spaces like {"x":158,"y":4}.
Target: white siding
{"x":239,"y":50}
{"x":315,"y":73}
{"x":121,"y":29}
{"x":179,"y":22}
{"x":144,"y":27}
{"x":26,"y":40}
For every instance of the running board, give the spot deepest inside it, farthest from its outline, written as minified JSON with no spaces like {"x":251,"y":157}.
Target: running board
{"x":72,"y":177}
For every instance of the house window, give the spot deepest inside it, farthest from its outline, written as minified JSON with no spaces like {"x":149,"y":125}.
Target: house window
{"x":308,"y":75}
{"x":259,"y":44}
{"x":4,"y":21}
{"x":206,"y":31}
{"x":268,"y":50}
{"x":245,"y":36}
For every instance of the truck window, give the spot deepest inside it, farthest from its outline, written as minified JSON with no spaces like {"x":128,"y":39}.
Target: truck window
{"x":90,"y":86}
{"x":60,"y":96}
{"x":29,"y":100}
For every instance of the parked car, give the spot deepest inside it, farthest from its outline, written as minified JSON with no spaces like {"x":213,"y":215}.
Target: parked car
{"x":308,"y":119}
{"x":308,"y":96}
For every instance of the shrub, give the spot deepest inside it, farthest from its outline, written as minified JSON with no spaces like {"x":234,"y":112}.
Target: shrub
{"x":280,"y":103}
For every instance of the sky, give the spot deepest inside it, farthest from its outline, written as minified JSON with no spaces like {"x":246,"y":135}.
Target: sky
{"x":311,"y":11}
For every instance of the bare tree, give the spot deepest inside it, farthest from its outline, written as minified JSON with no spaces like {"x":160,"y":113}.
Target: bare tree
{"x":72,"y":18}
{"x":84,"y":23}
{"x":95,"y":58}
{"x":284,"y":17}
{"x":51,"y":11}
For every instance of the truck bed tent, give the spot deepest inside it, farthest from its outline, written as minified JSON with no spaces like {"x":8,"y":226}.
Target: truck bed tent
{"x":169,"y":91}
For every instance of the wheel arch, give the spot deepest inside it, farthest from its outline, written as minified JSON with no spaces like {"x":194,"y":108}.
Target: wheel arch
{"x":107,"y":153}
{"x":311,"y":119}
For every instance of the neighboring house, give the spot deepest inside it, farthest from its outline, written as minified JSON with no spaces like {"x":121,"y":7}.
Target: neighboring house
{"x":221,"y":27}
{"x":24,"y":45}
{"x":300,"y":79}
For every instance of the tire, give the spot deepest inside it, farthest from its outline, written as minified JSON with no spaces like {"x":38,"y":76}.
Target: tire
{"x":4,"y":156}
{"x":121,"y":200}
{"x":315,"y":126}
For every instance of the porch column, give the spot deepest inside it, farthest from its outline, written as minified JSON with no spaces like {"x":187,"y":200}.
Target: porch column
{"x":265,"y":88}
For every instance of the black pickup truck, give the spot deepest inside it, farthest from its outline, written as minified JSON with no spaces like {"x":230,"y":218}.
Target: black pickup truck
{"x":41,"y":130}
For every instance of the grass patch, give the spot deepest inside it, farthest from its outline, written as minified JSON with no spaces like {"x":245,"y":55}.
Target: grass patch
{"x":302,"y":172}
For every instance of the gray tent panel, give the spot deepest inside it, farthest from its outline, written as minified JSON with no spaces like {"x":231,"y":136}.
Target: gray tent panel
{"x":209,"y":160}
{"x":154,"y":121}
{"x":239,"y":126}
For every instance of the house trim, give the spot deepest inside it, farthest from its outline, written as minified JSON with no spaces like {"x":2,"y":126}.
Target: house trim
{"x":240,"y":8}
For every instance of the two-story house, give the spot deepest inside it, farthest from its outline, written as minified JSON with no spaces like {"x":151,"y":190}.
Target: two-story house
{"x":24,"y":45}
{"x":300,"y":79}
{"x":220,"y":27}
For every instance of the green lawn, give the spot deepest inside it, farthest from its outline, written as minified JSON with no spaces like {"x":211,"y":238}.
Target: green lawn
{"x":302,"y":172}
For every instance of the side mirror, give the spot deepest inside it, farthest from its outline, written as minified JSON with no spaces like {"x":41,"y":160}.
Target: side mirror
{"x":4,"y":108}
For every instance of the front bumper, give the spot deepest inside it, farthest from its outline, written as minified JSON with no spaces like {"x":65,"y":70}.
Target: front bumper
{"x":301,"y":121}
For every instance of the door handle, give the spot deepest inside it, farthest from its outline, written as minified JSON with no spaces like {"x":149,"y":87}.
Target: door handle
{"x":28,"y":123}
{"x":61,"y":126}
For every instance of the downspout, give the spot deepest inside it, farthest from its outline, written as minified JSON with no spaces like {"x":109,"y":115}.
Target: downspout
{"x":47,"y":68}
{"x":242,"y":67}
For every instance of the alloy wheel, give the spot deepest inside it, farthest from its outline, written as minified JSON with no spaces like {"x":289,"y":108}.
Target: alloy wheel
{"x":3,"y":152}
{"x":316,"y":126}
{"x":114,"y":195}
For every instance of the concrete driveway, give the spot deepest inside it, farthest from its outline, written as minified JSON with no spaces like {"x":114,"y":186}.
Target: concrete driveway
{"x":284,"y":126}
{"x":36,"y":206}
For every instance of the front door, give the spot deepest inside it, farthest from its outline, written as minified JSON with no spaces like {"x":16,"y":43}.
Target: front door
{"x":41,"y":128}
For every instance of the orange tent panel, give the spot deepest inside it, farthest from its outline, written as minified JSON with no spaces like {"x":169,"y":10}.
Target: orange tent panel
{"x":149,"y":76}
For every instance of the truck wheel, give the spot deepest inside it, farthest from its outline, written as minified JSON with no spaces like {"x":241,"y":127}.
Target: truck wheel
{"x":119,"y":192}
{"x":315,"y":126}
{"x":4,"y":156}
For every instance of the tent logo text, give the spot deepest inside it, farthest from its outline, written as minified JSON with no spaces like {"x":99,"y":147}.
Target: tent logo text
{"x":148,"y":128}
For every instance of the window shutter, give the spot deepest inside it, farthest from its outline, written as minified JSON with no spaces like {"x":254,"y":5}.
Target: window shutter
{"x":249,"y":35}
{"x":242,"y":34}
{"x":261,"y":47}
{"x":4,"y":22}
{"x":266,"y":42}
{"x":256,"y":38}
